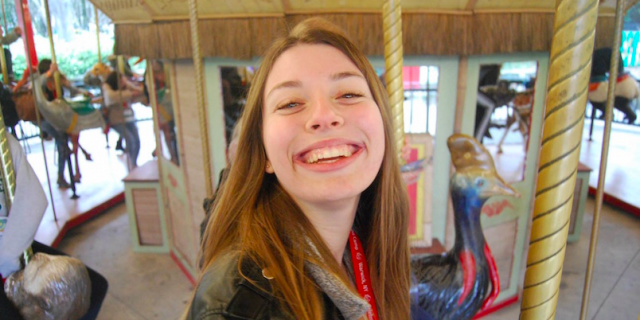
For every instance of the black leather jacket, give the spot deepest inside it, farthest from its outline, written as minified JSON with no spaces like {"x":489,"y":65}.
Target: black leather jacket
{"x":223,"y":294}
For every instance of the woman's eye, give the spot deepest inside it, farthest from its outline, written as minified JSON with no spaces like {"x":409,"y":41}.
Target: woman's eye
{"x":351,"y":95}
{"x":289,"y":105}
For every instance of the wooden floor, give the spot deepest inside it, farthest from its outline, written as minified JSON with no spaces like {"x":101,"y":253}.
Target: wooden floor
{"x":101,"y":186}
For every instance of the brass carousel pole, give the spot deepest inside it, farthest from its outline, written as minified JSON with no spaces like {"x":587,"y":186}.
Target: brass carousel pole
{"x":53,"y":51}
{"x":613,"y":75}
{"x":392,"y":23}
{"x":202,"y":114}
{"x":569,"y":70}
{"x":44,"y":154}
{"x":95,"y":13}
{"x":3,"y":58}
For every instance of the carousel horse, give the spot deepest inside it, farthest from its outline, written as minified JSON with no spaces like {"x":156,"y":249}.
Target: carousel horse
{"x":626,"y":87}
{"x":520,"y":115}
{"x":60,"y":113}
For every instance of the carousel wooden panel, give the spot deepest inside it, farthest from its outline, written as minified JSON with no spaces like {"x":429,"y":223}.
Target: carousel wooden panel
{"x":505,"y":5}
{"x":145,"y":202}
{"x":263,"y":31}
{"x":139,"y":39}
{"x":435,"y":34}
{"x":511,"y":32}
{"x":174,"y":38}
{"x":225,"y":38}
{"x":191,"y":143}
{"x":182,"y":231}
{"x":501,"y":239}
{"x":364,"y":29}
{"x":370,"y":5}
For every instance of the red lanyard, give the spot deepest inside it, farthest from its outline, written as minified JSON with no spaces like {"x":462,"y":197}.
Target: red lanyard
{"x":361,"y":272}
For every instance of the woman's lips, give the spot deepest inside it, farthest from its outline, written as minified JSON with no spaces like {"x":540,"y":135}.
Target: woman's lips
{"x":328,"y":152}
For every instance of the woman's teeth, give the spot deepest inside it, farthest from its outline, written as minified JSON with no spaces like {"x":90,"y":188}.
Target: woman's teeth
{"x":328,"y":155}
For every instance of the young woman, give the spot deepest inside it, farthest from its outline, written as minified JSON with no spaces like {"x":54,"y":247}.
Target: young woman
{"x":312,"y":221}
{"x":118,"y":96}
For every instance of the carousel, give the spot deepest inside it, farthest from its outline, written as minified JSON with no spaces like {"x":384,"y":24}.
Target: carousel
{"x":514,"y":75}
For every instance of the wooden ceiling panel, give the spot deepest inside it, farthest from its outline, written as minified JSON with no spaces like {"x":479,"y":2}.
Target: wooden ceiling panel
{"x":522,"y":5}
{"x":123,"y":10}
{"x":147,"y":10}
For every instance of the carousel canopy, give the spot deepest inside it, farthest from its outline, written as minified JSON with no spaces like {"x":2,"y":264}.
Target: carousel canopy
{"x":242,"y":28}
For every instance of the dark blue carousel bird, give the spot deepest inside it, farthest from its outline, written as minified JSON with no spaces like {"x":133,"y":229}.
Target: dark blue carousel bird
{"x":455,"y":285}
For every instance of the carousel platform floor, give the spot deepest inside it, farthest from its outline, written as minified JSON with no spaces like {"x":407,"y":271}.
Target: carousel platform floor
{"x":623,"y":165}
{"x":101,"y":185}
{"x":622,"y":178}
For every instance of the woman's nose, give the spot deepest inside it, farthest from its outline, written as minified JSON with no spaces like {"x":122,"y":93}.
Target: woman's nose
{"x":324,"y":116}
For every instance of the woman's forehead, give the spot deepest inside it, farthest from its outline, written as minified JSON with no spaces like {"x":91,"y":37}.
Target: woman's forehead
{"x":307,"y":61}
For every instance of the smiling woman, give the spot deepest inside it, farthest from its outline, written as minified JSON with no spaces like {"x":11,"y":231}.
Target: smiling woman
{"x":311,"y":223}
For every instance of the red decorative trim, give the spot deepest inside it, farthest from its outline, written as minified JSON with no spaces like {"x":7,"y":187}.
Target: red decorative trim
{"x":618,"y":203}
{"x":183,"y":269}
{"x":468,"y":262}
{"x":83,"y":217}
{"x":493,"y":276}
{"x":496,"y":307}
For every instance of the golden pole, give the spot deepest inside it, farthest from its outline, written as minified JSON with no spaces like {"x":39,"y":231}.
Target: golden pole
{"x":569,"y":71}
{"x":3,"y":59}
{"x":197,"y":63}
{"x":613,"y":76}
{"x":7,"y":173}
{"x":33,"y":88}
{"x":53,"y":52}
{"x":392,"y":22}
{"x":95,"y":13}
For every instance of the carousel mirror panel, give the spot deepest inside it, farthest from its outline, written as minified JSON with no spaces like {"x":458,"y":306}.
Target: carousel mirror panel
{"x":503,"y":114}
{"x":235,"y":82}
{"x":164,"y":106}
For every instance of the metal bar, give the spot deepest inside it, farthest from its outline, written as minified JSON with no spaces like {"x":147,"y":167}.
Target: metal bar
{"x":569,"y":70}
{"x":30,"y":58}
{"x":608,"y":111}
{"x":53,"y":51}
{"x":202,"y":112}
{"x":593,"y":118}
{"x":392,"y":23}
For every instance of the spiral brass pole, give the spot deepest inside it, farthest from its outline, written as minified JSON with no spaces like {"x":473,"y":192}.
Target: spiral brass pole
{"x":53,"y":51}
{"x":7,"y":174}
{"x":202,"y":112}
{"x":595,"y":228}
{"x":3,"y":58}
{"x":95,"y":13}
{"x":392,"y":23}
{"x":569,"y":71}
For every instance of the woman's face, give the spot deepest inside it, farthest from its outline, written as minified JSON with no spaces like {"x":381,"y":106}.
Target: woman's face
{"x":322,"y":129}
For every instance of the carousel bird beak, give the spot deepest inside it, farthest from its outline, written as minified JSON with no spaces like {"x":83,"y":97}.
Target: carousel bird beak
{"x":500,"y":187}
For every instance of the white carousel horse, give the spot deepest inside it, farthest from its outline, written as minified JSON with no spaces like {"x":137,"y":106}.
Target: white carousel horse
{"x":60,"y":114}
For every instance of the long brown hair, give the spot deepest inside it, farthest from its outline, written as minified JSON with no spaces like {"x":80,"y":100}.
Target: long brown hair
{"x":255,"y":217}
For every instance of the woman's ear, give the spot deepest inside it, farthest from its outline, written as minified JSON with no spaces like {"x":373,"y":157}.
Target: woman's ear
{"x":268,"y":168}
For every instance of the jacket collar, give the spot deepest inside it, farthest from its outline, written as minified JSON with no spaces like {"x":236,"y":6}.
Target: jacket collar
{"x":350,"y":304}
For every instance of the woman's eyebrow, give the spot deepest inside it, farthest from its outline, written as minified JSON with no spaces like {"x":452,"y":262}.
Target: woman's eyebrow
{"x":344,"y":75}
{"x":285,"y":84}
